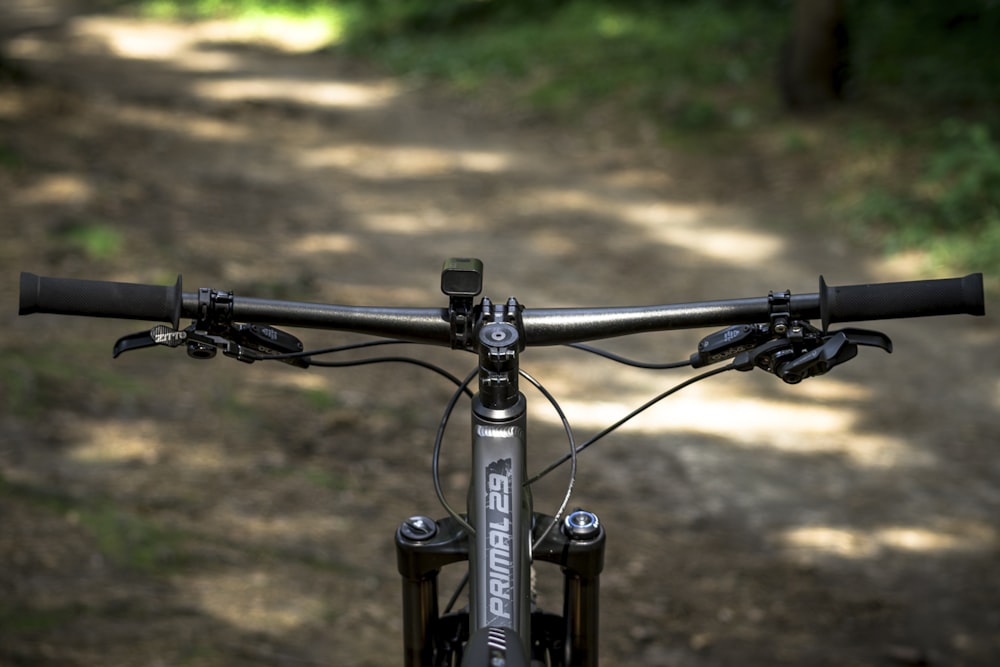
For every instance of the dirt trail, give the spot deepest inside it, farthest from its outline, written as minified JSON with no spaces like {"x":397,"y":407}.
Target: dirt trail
{"x":161,"y":511}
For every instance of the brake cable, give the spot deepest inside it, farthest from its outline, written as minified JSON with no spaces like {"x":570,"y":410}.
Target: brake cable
{"x":626,"y":361}
{"x":645,"y":406}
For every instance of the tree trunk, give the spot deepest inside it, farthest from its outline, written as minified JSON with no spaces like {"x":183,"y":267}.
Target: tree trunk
{"x":813,"y":65}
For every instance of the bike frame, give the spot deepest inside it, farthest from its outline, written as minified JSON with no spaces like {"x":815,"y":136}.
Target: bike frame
{"x":425,"y":548}
{"x":498,"y":539}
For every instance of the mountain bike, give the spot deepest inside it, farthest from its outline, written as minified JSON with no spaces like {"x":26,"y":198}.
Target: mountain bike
{"x":499,"y":535}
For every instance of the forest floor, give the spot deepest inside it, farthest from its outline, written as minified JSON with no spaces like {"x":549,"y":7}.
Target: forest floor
{"x":156,"y":510}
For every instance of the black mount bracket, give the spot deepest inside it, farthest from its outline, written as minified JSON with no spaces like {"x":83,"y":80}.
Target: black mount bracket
{"x":462,"y":281}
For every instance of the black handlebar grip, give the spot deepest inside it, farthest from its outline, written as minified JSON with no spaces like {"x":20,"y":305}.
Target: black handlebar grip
{"x":99,"y":298}
{"x":918,"y":298}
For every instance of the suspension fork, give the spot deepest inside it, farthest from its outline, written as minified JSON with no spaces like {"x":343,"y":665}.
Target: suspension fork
{"x":424,"y":547}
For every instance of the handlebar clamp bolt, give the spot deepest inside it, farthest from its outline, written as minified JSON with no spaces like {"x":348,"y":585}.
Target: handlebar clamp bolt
{"x":418,"y":528}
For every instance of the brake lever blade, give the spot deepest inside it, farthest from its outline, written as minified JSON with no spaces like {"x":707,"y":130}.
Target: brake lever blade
{"x":839,"y":347}
{"x":135,"y":341}
{"x":868,"y":338}
{"x":158,"y":335}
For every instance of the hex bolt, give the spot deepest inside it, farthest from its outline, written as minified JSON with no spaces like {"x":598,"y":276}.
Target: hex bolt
{"x":418,"y":528}
{"x":581,"y":525}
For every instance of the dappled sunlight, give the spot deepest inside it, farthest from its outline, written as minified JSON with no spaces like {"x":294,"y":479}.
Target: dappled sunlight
{"x":386,"y":162}
{"x":858,"y":543}
{"x":283,"y":527}
{"x":329,"y":94}
{"x":180,"y":42}
{"x":61,"y":189}
{"x":143,"y":442}
{"x":765,"y":423}
{"x":186,"y":124}
{"x":115,"y":442}
{"x":330,"y":242}
{"x":408,"y":223}
{"x":707,"y":230}
{"x":203,"y":47}
{"x":256,"y":600}
{"x":707,"y":235}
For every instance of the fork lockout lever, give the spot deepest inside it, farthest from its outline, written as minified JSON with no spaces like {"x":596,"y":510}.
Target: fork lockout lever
{"x":268,"y":340}
{"x":728,"y":343}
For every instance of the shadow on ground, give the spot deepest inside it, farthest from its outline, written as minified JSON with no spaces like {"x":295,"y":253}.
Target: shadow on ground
{"x":158,"y":510}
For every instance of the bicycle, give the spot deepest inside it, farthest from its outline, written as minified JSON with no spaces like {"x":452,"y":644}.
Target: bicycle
{"x":500,"y":535}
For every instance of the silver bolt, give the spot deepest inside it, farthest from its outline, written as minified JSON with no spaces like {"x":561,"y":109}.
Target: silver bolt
{"x":418,"y":528}
{"x":581,"y":525}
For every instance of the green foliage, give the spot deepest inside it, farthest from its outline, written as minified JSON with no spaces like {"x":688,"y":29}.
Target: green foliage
{"x":963,"y":176}
{"x":96,"y":240}
{"x":928,"y":53}
{"x":125,"y":538}
{"x":20,"y":619}
{"x":192,"y":9}
{"x":29,"y":382}
{"x":130,"y":540}
{"x":688,"y":62}
{"x":952,"y":210}
{"x":10,"y":159}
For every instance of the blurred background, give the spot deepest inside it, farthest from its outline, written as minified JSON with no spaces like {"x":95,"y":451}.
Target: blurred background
{"x":157,"y":510}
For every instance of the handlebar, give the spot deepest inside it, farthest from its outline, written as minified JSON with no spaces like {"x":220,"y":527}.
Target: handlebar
{"x":554,"y":326}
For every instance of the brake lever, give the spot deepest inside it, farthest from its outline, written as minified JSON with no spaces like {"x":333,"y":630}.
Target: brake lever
{"x":838,"y":347}
{"x":245,"y":342}
{"x":158,"y":335}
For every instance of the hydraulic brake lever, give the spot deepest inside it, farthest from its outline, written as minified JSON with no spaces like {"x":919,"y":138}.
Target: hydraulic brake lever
{"x":159,"y":335}
{"x":840,"y":346}
{"x":792,"y":350}
{"x":795,"y":361}
{"x":246,"y":342}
